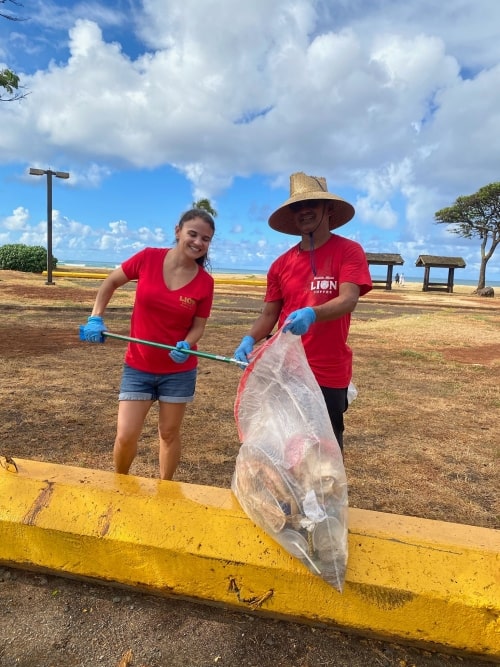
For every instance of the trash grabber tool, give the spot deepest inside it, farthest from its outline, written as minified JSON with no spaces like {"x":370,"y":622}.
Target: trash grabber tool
{"x":196,"y":353}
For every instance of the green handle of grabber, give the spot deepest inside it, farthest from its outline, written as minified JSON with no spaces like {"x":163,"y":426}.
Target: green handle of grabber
{"x":196,"y":353}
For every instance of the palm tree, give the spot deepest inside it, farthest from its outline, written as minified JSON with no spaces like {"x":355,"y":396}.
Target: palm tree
{"x":206,"y":206}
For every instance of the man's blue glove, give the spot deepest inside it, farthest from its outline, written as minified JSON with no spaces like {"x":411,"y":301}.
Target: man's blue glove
{"x":92,"y":331}
{"x":299,"y":321}
{"x":244,"y":350}
{"x":177,"y":355}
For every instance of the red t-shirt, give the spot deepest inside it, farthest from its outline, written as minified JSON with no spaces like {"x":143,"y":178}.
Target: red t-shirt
{"x":291,"y":279}
{"x":162,"y":315}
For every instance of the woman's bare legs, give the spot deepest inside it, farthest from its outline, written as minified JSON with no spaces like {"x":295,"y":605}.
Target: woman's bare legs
{"x":131,"y":416}
{"x":169,"y":427}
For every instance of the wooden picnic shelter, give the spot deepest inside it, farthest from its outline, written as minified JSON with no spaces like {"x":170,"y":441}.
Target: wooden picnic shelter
{"x":384,"y":259}
{"x":437,"y":261}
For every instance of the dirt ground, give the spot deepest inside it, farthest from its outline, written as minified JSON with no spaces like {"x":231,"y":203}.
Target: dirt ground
{"x":417,"y":358}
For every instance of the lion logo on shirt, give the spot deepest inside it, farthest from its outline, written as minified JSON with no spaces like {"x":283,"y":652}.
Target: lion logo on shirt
{"x":324,"y":285}
{"x":187,"y":302}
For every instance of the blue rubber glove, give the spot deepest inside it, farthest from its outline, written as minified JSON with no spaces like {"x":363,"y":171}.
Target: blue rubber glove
{"x":177,"y":355}
{"x":92,"y":331}
{"x":244,"y":350}
{"x":299,"y":321}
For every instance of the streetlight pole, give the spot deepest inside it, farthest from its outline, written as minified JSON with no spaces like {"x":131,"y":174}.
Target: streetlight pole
{"x":49,"y":173}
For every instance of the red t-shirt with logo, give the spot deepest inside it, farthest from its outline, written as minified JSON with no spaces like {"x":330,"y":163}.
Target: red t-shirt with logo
{"x":305,"y":278}
{"x":162,"y":315}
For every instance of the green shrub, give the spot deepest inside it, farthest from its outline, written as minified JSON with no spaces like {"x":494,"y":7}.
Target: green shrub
{"x":20,"y":257}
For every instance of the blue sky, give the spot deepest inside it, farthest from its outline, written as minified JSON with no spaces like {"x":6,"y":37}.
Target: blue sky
{"x":151,"y":105}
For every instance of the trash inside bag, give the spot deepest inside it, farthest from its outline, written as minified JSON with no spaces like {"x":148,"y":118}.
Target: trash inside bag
{"x":289,"y":475}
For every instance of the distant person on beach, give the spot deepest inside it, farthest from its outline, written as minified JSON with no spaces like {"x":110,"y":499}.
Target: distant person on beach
{"x":172,"y":304}
{"x":313,"y":288}
{"x":402,"y":279}
{"x":396,"y":278}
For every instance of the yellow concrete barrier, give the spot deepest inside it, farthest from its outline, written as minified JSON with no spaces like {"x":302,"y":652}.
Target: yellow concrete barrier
{"x":408,"y":580}
{"x":77,"y":274}
{"x":252,"y":282}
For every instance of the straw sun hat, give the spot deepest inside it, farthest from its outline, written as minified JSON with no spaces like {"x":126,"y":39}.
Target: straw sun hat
{"x":303,"y":187}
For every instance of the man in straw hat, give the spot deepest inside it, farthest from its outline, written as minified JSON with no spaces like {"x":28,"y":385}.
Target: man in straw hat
{"x":313,"y":288}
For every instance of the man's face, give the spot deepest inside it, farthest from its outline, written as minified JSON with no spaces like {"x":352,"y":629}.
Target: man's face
{"x":308,"y":214}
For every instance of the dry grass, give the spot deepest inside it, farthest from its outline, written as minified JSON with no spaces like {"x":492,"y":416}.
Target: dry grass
{"x":422,"y":438}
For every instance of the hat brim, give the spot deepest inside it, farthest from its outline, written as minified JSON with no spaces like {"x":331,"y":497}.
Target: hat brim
{"x":283,"y":220}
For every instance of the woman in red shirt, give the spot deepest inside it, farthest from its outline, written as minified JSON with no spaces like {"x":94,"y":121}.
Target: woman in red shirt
{"x":172,"y":304}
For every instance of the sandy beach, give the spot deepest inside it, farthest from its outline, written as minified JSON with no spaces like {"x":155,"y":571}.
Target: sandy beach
{"x":411,"y":284}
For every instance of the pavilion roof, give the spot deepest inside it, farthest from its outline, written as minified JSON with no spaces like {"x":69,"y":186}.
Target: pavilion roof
{"x":440,"y":261}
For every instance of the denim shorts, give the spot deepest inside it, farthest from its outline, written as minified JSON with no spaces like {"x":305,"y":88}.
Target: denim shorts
{"x":167,"y":387}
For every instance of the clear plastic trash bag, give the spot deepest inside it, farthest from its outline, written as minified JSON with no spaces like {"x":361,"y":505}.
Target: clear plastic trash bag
{"x":289,"y":475}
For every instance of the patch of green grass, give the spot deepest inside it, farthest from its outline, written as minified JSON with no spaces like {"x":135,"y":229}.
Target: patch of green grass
{"x":412,"y":354}
{"x":480,"y":318}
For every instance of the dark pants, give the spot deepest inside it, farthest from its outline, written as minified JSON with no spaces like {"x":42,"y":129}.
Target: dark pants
{"x":336,"y":404}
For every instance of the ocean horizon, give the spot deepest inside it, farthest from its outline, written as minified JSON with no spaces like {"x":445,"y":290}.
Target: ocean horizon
{"x":82,"y":264}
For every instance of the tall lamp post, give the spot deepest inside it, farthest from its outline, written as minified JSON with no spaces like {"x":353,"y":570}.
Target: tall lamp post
{"x":49,"y":173}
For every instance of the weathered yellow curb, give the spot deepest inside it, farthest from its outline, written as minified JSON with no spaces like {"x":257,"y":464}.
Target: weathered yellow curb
{"x":408,"y":580}
{"x":253,"y":282}
{"x":78,"y":274}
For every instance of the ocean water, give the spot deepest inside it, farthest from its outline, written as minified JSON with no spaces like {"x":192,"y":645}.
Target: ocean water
{"x":456,"y":281}
{"x":409,"y":279}
{"x":85,"y":264}
{"x":81,"y":264}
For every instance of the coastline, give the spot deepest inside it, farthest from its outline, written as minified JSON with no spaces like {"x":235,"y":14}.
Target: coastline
{"x":100,"y":272}
{"x":258,"y":277}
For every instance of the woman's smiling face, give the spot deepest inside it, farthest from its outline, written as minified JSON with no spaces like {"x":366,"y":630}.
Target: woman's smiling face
{"x":194,"y":237}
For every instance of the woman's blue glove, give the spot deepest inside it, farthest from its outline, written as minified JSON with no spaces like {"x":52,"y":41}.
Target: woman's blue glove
{"x":299,"y":321}
{"x":178,"y":356}
{"x":92,"y":331}
{"x":244,"y":350}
